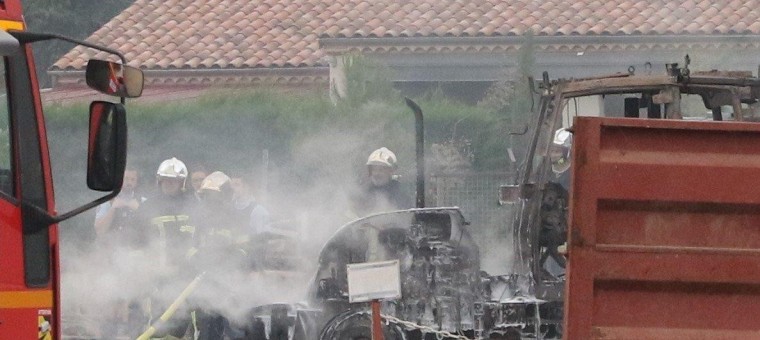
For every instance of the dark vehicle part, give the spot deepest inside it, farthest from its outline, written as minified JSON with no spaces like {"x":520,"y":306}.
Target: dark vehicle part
{"x":282,"y":321}
{"x":357,"y":325}
{"x":419,"y":129}
{"x":440,"y":278}
{"x":108,"y":129}
{"x":107,"y":145}
{"x":106,"y":158}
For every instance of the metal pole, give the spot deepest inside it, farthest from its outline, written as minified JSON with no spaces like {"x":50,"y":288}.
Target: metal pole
{"x":377,"y":327}
{"x":420,"y":152}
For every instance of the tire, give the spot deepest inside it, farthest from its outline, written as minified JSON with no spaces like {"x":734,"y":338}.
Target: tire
{"x":357,"y":326}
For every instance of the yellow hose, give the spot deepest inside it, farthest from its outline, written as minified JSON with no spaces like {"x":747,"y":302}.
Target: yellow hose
{"x":172,"y":308}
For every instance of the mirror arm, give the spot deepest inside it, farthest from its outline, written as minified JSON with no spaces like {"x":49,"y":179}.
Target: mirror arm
{"x":25,"y":37}
{"x":30,"y":37}
{"x":50,"y":219}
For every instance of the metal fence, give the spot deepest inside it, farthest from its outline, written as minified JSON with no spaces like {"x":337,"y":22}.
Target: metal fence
{"x":476,"y":194}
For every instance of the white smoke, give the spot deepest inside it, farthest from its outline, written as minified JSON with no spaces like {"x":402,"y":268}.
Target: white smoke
{"x":98,"y":283}
{"x":310,"y":196}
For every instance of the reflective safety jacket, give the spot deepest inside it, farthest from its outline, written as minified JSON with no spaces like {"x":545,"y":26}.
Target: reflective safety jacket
{"x":168,"y":223}
{"x":222,"y":238}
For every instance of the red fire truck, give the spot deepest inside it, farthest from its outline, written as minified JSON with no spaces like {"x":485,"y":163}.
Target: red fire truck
{"x":29,"y":272}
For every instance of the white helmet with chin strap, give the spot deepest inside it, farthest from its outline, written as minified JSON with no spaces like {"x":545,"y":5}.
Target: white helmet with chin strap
{"x":382,"y":157}
{"x":172,"y":168}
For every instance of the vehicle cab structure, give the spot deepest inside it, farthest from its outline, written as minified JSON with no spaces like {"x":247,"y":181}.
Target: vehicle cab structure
{"x":674,"y":95}
{"x":29,"y":270}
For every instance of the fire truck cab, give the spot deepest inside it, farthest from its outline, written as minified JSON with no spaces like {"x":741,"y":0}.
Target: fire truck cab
{"x":29,"y":272}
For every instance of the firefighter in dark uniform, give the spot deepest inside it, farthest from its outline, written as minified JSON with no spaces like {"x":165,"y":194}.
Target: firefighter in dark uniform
{"x":168,"y":214}
{"x":222,"y":244}
{"x":553,"y":232}
{"x":170,"y":233}
{"x":382,"y":192}
{"x":559,"y":155}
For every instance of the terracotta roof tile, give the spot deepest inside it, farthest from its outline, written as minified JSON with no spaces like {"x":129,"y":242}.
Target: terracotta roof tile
{"x":285,"y":33}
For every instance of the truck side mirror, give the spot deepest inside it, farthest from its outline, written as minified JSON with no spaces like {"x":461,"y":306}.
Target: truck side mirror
{"x":107,"y":146}
{"x":114,"y":79}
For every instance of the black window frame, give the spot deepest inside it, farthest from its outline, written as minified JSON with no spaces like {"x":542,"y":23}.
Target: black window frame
{"x":31,"y":190}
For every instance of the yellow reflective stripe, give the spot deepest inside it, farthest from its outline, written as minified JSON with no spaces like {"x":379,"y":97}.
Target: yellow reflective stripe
{"x":163,"y":219}
{"x":11,"y":25}
{"x":195,"y":322}
{"x":28,"y":299}
{"x":169,"y":218}
{"x":222,"y":232}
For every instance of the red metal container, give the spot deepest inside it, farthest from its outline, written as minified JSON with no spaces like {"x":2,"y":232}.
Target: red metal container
{"x":664,"y":230}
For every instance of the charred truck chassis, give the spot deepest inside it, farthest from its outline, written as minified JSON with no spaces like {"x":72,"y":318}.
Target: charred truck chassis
{"x":444,"y":292}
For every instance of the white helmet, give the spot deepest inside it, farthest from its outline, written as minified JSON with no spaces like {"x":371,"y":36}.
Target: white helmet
{"x":563,"y":137}
{"x":562,"y":142}
{"x":214,"y":182}
{"x":383,"y":157}
{"x":172,"y":168}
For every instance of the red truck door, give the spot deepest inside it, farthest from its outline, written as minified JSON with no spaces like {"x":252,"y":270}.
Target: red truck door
{"x":664,"y":230}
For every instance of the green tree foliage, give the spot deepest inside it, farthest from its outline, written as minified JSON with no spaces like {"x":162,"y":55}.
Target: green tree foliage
{"x":309,"y":139}
{"x":512,"y":99}
{"x":366,"y":81}
{"x":231,"y":129}
{"x":73,"y":18}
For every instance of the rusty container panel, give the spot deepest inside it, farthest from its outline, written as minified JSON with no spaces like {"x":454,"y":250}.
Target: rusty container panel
{"x":664,"y":230}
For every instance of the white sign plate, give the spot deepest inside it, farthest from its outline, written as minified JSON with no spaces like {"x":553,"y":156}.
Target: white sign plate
{"x":373,"y":280}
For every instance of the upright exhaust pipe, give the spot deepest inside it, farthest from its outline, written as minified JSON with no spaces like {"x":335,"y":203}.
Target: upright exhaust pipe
{"x":419,"y":135}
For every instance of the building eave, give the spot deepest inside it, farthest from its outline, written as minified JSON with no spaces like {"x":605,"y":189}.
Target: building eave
{"x":330,"y":44}
{"x":227,"y":76}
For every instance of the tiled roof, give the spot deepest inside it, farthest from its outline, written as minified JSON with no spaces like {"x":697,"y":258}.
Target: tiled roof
{"x":178,"y":34}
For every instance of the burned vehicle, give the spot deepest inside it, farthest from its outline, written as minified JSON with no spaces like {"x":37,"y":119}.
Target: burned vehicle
{"x":542,"y":191}
{"x":445,"y":293}
{"x":439,"y":264}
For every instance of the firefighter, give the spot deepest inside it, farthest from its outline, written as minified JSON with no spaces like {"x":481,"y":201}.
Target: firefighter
{"x":168,"y":213}
{"x":382,"y":192}
{"x":221,"y":250}
{"x":170,"y":231}
{"x":559,"y":155}
{"x":553,"y":227}
{"x":554,"y":206}
{"x":116,"y":226}
{"x":114,"y":218}
{"x":247,"y":206}
{"x":222,"y":228}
